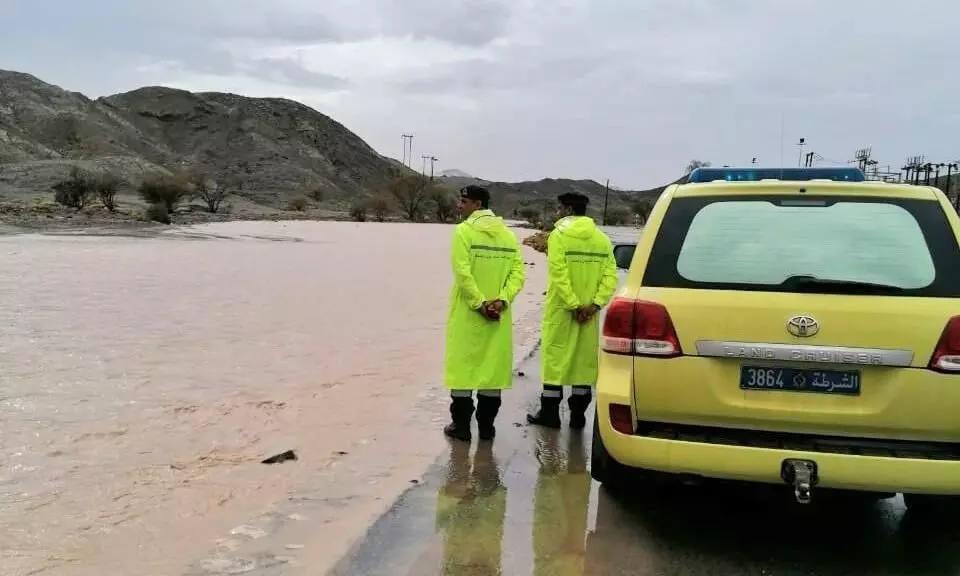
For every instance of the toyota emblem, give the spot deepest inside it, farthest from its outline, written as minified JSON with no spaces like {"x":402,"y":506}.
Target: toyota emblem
{"x":803,"y":326}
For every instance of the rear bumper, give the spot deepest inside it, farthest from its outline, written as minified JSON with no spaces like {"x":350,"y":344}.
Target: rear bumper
{"x":838,"y":471}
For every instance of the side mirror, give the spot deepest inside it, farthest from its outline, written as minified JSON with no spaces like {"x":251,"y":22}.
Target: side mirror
{"x":623,"y":254}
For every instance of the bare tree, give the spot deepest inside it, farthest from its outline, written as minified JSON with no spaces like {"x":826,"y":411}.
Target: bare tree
{"x":380,"y":206}
{"x":410,"y":192}
{"x":106,"y":185}
{"x":694,"y":164}
{"x":209,"y":190}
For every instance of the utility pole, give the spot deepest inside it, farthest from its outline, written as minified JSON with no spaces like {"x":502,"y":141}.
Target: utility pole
{"x":863,"y":158}
{"x":946,"y":189}
{"x":423,"y":170}
{"x":912,"y":167}
{"x":803,"y":142}
{"x":432,"y":160}
{"x":754,"y":161}
{"x":407,"y":157}
{"x":606,"y":196}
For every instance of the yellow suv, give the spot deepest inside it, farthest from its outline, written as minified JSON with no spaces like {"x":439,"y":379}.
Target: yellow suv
{"x":790,"y":326}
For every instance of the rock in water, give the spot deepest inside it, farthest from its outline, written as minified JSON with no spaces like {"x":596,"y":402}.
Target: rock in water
{"x":281,"y":457}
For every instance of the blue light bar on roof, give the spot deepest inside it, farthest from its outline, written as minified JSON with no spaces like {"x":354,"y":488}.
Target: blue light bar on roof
{"x":785,"y":174}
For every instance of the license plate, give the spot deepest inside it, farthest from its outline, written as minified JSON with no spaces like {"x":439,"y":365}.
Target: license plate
{"x":846,"y":383}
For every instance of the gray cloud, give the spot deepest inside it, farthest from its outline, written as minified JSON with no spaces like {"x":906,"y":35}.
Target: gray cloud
{"x":468,"y":22}
{"x":580,"y":88}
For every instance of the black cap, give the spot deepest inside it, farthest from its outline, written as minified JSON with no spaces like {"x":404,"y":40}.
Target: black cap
{"x":572,"y":199}
{"x":474,"y":192}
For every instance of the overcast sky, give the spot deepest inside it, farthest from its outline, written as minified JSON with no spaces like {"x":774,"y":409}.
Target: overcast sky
{"x":629,"y":90}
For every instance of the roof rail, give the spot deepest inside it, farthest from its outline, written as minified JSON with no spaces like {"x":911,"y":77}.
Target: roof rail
{"x":783,"y":174}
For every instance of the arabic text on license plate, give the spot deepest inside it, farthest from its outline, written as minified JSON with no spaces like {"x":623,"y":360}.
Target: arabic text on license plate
{"x":800,"y":380}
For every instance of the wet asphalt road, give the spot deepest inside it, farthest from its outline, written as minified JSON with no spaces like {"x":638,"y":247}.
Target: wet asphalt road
{"x":525,"y":504}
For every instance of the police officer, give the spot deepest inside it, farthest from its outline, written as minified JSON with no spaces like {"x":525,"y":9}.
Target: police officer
{"x":488,"y":274}
{"x":582,"y":277}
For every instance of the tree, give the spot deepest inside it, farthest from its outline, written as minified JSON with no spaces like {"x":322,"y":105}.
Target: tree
{"x":358,"y":211}
{"x":380,"y":206}
{"x":165,"y":190}
{"x":317,"y":194}
{"x":209,"y":190}
{"x":618,"y":216}
{"x":530,"y":214}
{"x":409,"y":191}
{"x":75,"y":190}
{"x":694,"y":164}
{"x":443,"y":205}
{"x":642,"y":208}
{"x":106,"y":185}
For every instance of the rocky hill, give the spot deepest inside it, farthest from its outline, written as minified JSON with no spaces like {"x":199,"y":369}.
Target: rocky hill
{"x":272,"y":149}
{"x":543,"y":193}
{"x":276,"y":147}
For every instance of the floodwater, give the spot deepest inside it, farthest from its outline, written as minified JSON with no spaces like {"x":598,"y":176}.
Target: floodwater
{"x":142,"y":380}
{"x":526,"y":505}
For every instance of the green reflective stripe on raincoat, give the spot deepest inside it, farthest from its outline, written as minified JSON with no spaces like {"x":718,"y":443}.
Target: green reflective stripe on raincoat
{"x":487,"y":265}
{"x":581,"y":271}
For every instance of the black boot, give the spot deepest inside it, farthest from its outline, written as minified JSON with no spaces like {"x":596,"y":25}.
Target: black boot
{"x":548,"y":415}
{"x":578,"y":410}
{"x":461,"y":412}
{"x":487,"y":409}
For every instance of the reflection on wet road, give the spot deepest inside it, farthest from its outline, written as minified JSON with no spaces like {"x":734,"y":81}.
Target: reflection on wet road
{"x":526,"y":505}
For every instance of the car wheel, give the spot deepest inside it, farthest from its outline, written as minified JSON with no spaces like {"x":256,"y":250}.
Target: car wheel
{"x":932,"y":504}
{"x":603,"y":468}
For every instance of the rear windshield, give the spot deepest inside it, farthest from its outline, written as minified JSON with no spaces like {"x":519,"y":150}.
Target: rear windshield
{"x":821,"y":244}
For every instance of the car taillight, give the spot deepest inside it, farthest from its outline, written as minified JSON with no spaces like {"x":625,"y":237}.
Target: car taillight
{"x":639,"y":328}
{"x":621,"y":418}
{"x":946,"y":356}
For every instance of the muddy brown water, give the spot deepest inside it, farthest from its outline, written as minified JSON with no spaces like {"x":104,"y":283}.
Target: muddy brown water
{"x":142,"y":380}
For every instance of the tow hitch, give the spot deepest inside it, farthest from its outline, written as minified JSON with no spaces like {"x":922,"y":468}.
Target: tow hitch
{"x":802,"y":475}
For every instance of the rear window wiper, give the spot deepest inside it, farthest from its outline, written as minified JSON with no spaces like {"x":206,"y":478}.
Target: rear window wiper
{"x":812,"y":283}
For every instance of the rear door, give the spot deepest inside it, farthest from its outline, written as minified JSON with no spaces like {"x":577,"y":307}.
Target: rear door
{"x":813,"y":314}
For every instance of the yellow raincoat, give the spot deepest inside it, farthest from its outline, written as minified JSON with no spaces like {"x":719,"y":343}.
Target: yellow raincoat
{"x":487,"y":266}
{"x":581,"y":271}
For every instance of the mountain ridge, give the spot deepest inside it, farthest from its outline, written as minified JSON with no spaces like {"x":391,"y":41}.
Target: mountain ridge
{"x":273,"y":148}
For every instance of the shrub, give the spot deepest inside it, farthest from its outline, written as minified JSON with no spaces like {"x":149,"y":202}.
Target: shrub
{"x":359,"y":211}
{"x":165,"y":191}
{"x":157,"y":213}
{"x":74,"y":191}
{"x":380,"y":207}
{"x":298,"y":204}
{"x":317,"y":194}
